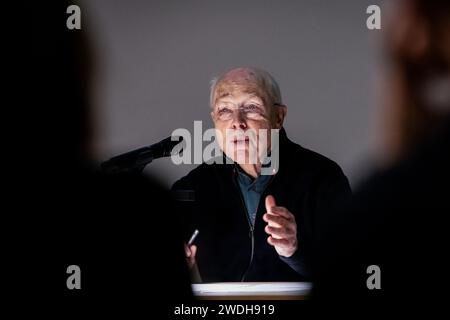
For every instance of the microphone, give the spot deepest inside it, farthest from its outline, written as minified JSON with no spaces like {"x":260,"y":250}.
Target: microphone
{"x":136,"y":160}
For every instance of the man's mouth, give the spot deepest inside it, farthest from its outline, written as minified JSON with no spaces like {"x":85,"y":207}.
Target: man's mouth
{"x":241,"y":140}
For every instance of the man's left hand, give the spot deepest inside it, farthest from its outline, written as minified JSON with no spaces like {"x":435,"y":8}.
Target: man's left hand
{"x":281,"y":227}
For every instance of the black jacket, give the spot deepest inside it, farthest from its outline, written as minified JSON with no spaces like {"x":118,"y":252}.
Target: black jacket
{"x":209,"y":199}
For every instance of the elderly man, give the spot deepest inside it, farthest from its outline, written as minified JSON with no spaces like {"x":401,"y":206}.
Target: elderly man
{"x":254,"y":226}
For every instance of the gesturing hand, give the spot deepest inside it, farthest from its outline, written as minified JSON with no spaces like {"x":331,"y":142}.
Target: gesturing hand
{"x":281,"y":227}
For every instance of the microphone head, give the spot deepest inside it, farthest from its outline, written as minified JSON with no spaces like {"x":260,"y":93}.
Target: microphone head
{"x":166,"y":146}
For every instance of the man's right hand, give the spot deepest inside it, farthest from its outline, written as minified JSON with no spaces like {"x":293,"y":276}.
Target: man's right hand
{"x":190,"y":255}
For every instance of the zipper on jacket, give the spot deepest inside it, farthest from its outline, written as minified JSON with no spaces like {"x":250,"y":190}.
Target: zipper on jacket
{"x":251,"y":226}
{"x":252,"y":237}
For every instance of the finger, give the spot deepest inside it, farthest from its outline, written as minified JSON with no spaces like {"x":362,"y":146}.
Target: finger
{"x":282,"y":211}
{"x":275,"y":220}
{"x":282,"y":243}
{"x":268,"y":231}
{"x":187,"y":251}
{"x":193,"y":251}
{"x":270,"y":202}
{"x":279,"y":233}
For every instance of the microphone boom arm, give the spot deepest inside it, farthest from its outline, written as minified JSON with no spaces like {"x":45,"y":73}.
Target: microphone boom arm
{"x":136,"y":160}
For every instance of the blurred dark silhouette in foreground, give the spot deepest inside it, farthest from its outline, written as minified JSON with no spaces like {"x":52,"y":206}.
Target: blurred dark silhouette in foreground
{"x":117,"y":229}
{"x":398,"y":217}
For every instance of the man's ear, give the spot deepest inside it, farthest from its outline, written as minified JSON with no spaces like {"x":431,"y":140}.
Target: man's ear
{"x":280,"y":113}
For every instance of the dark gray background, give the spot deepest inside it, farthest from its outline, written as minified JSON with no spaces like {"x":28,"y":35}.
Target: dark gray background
{"x":155,"y":60}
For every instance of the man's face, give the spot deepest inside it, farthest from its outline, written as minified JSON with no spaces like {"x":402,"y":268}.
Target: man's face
{"x":238,"y":118}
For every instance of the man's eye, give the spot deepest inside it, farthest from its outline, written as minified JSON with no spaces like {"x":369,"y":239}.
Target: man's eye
{"x":224,"y":111}
{"x":251,"y":108}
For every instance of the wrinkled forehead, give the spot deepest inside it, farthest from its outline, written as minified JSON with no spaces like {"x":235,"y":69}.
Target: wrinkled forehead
{"x":230,"y":87}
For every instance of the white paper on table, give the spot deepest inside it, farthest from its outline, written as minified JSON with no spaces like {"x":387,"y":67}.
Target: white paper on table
{"x":252,"y":288}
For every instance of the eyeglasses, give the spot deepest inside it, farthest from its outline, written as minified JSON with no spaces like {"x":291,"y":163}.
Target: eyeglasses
{"x":250,"y":111}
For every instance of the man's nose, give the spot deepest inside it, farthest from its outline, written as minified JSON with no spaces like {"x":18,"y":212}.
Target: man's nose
{"x":239,"y":121}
